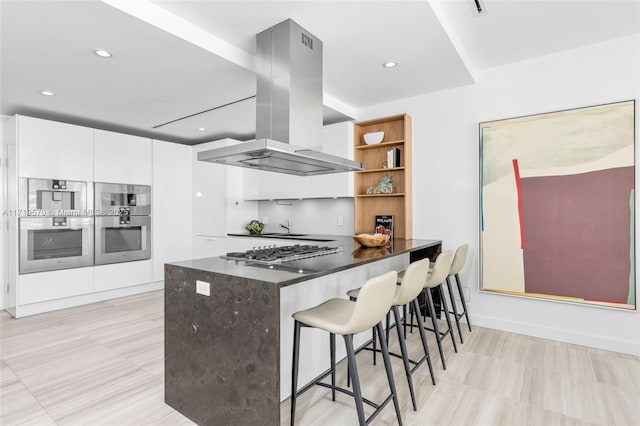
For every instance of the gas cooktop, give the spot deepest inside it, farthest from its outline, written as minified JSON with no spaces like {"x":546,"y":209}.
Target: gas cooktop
{"x":271,"y":255}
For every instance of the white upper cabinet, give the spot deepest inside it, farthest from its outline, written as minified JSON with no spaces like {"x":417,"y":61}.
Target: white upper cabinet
{"x":171,"y":206}
{"x":218,"y":207}
{"x":263,"y":185}
{"x":121,"y":158}
{"x":53,"y":150}
{"x":209,"y":193}
{"x":337,"y":139}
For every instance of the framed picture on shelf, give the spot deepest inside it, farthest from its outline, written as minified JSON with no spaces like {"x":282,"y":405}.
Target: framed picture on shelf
{"x":384,"y":225}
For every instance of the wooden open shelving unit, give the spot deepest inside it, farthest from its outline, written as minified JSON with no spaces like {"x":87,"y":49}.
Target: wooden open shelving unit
{"x":397,"y":134}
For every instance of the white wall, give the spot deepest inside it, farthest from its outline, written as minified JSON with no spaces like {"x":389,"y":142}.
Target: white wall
{"x":312,"y":216}
{"x":445,"y":200}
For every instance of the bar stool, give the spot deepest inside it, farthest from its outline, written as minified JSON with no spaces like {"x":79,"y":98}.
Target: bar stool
{"x":407,"y":292}
{"x":346,"y":318}
{"x":435,"y":278}
{"x":459,"y":260}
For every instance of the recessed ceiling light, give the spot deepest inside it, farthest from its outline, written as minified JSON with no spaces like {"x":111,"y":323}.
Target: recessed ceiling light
{"x":47,"y":92}
{"x":390,"y":64}
{"x":103,"y":53}
{"x":202,"y":129}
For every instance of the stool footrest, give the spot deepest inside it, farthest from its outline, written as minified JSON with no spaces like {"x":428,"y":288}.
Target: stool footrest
{"x":347,"y":392}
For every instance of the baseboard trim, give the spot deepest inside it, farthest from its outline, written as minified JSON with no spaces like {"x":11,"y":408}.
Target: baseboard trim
{"x":69,"y":302}
{"x":567,"y":336}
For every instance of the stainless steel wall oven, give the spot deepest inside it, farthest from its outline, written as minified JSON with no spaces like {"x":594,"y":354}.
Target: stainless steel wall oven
{"x":55,"y":228}
{"x":123,"y":223}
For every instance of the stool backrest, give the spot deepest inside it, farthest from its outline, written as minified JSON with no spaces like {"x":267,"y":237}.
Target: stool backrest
{"x":441,"y":269}
{"x":459,"y":259}
{"x":373,"y":303}
{"x":412,"y":282}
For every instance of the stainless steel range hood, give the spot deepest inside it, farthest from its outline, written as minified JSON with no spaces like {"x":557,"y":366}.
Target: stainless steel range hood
{"x":289,"y":109}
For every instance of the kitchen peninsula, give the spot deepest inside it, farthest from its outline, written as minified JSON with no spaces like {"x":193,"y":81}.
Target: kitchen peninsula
{"x":228,"y":343}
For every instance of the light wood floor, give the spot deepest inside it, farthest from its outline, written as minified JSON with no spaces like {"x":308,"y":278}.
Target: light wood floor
{"x":103,"y":364}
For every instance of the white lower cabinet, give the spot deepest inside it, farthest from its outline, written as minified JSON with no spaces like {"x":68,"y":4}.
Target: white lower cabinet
{"x":44,"y":286}
{"x":118,"y":275}
{"x":205,"y":246}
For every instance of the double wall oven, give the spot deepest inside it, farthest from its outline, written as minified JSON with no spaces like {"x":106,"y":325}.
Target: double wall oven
{"x":60,"y":229}
{"x":123,"y":223}
{"x":56,"y":226}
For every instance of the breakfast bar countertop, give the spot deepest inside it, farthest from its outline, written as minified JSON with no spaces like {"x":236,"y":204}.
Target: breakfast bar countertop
{"x":351,"y":255}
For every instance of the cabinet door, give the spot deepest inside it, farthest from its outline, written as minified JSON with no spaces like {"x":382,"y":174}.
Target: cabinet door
{"x":118,"y":275}
{"x":263,"y":185}
{"x":171,"y":208}
{"x":44,"y":286}
{"x":337,"y":139}
{"x":209,"y":193}
{"x":53,"y":150}
{"x":121,"y":158}
{"x":208,"y":246}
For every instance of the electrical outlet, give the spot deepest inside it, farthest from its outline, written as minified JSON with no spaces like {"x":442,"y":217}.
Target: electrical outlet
{"x":340,"y":221}
{"x":265,"y":220}
{"x":203,"y":287}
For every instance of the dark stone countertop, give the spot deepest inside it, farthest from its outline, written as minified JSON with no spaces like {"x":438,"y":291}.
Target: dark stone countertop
{"x":352,"y":255}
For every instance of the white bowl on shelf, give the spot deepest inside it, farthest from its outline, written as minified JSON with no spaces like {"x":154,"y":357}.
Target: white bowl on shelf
{"x":373,"y":137}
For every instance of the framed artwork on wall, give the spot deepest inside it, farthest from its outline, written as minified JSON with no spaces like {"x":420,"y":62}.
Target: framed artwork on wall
{"x":557,"y":205}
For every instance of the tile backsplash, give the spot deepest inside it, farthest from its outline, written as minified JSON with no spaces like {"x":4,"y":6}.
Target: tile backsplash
{"x":313,"y":216}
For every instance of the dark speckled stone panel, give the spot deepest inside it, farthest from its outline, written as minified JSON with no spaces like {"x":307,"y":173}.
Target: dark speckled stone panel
{"x":222,"y":357}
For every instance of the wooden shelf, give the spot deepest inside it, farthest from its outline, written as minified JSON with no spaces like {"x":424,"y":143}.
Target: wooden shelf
{"x":396,"y":194}
{"x":391,"y":169}
{"x":381,"y":145}
{"x":397,"y":134}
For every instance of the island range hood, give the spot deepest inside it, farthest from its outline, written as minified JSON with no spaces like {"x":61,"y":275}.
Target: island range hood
{"x":289,"y":109}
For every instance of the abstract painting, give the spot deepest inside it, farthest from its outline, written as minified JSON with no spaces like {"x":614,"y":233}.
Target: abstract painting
{"x":557,"y":205}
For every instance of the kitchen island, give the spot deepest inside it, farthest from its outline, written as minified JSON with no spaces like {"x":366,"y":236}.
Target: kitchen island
{"x":228,"y":354}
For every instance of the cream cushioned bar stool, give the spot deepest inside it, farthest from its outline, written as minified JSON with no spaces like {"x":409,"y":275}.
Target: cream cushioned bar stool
{"x":346,"y":318}
{"x":436,"y":277}
{"x":459,"y":260}
{"x":410,"y":286}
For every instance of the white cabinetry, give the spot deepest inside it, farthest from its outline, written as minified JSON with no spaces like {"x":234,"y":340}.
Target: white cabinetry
{"x":121,"y":158}
{"x":119,"y":275}
{"x":171,"y":207}
{"x":44,"y":286}
{"x":218,"y":207}
{"x":52,"y":150}
{"x":204,"y":246}
{"x":337,"y":139}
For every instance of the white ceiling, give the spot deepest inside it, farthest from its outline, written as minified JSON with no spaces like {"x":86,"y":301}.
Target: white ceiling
{"x":176,"y":59}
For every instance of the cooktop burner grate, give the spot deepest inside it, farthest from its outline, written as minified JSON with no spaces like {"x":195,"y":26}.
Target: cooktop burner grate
{"x":274,"y":255}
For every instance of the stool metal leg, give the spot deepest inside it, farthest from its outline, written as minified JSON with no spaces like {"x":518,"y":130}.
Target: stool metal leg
{"x":353,"y":372}
{"x":464,"y":304}
{"x":405,"y":356}
{"x":455,"y":309}
{"x":434,"y":321}
{"x":373,"y":334}
{"x":332,"y":345}
{"x":294,"y":372}
{"x":423,"y":337}
{"x":445,"y":310}
{"x":387,"y":367}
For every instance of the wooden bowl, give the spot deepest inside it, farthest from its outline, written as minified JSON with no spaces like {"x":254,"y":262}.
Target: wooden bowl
{"x":368,"y":240}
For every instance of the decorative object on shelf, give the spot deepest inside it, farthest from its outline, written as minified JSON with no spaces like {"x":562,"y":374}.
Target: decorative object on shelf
{"x":374,"y":137}
{"x":393,"y":158}
{"x":384,"y":225}
{"x":368,"y":240}
{"x":385,"y":186}
{"x":254,"y":227}
{"x":557,"y":200}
